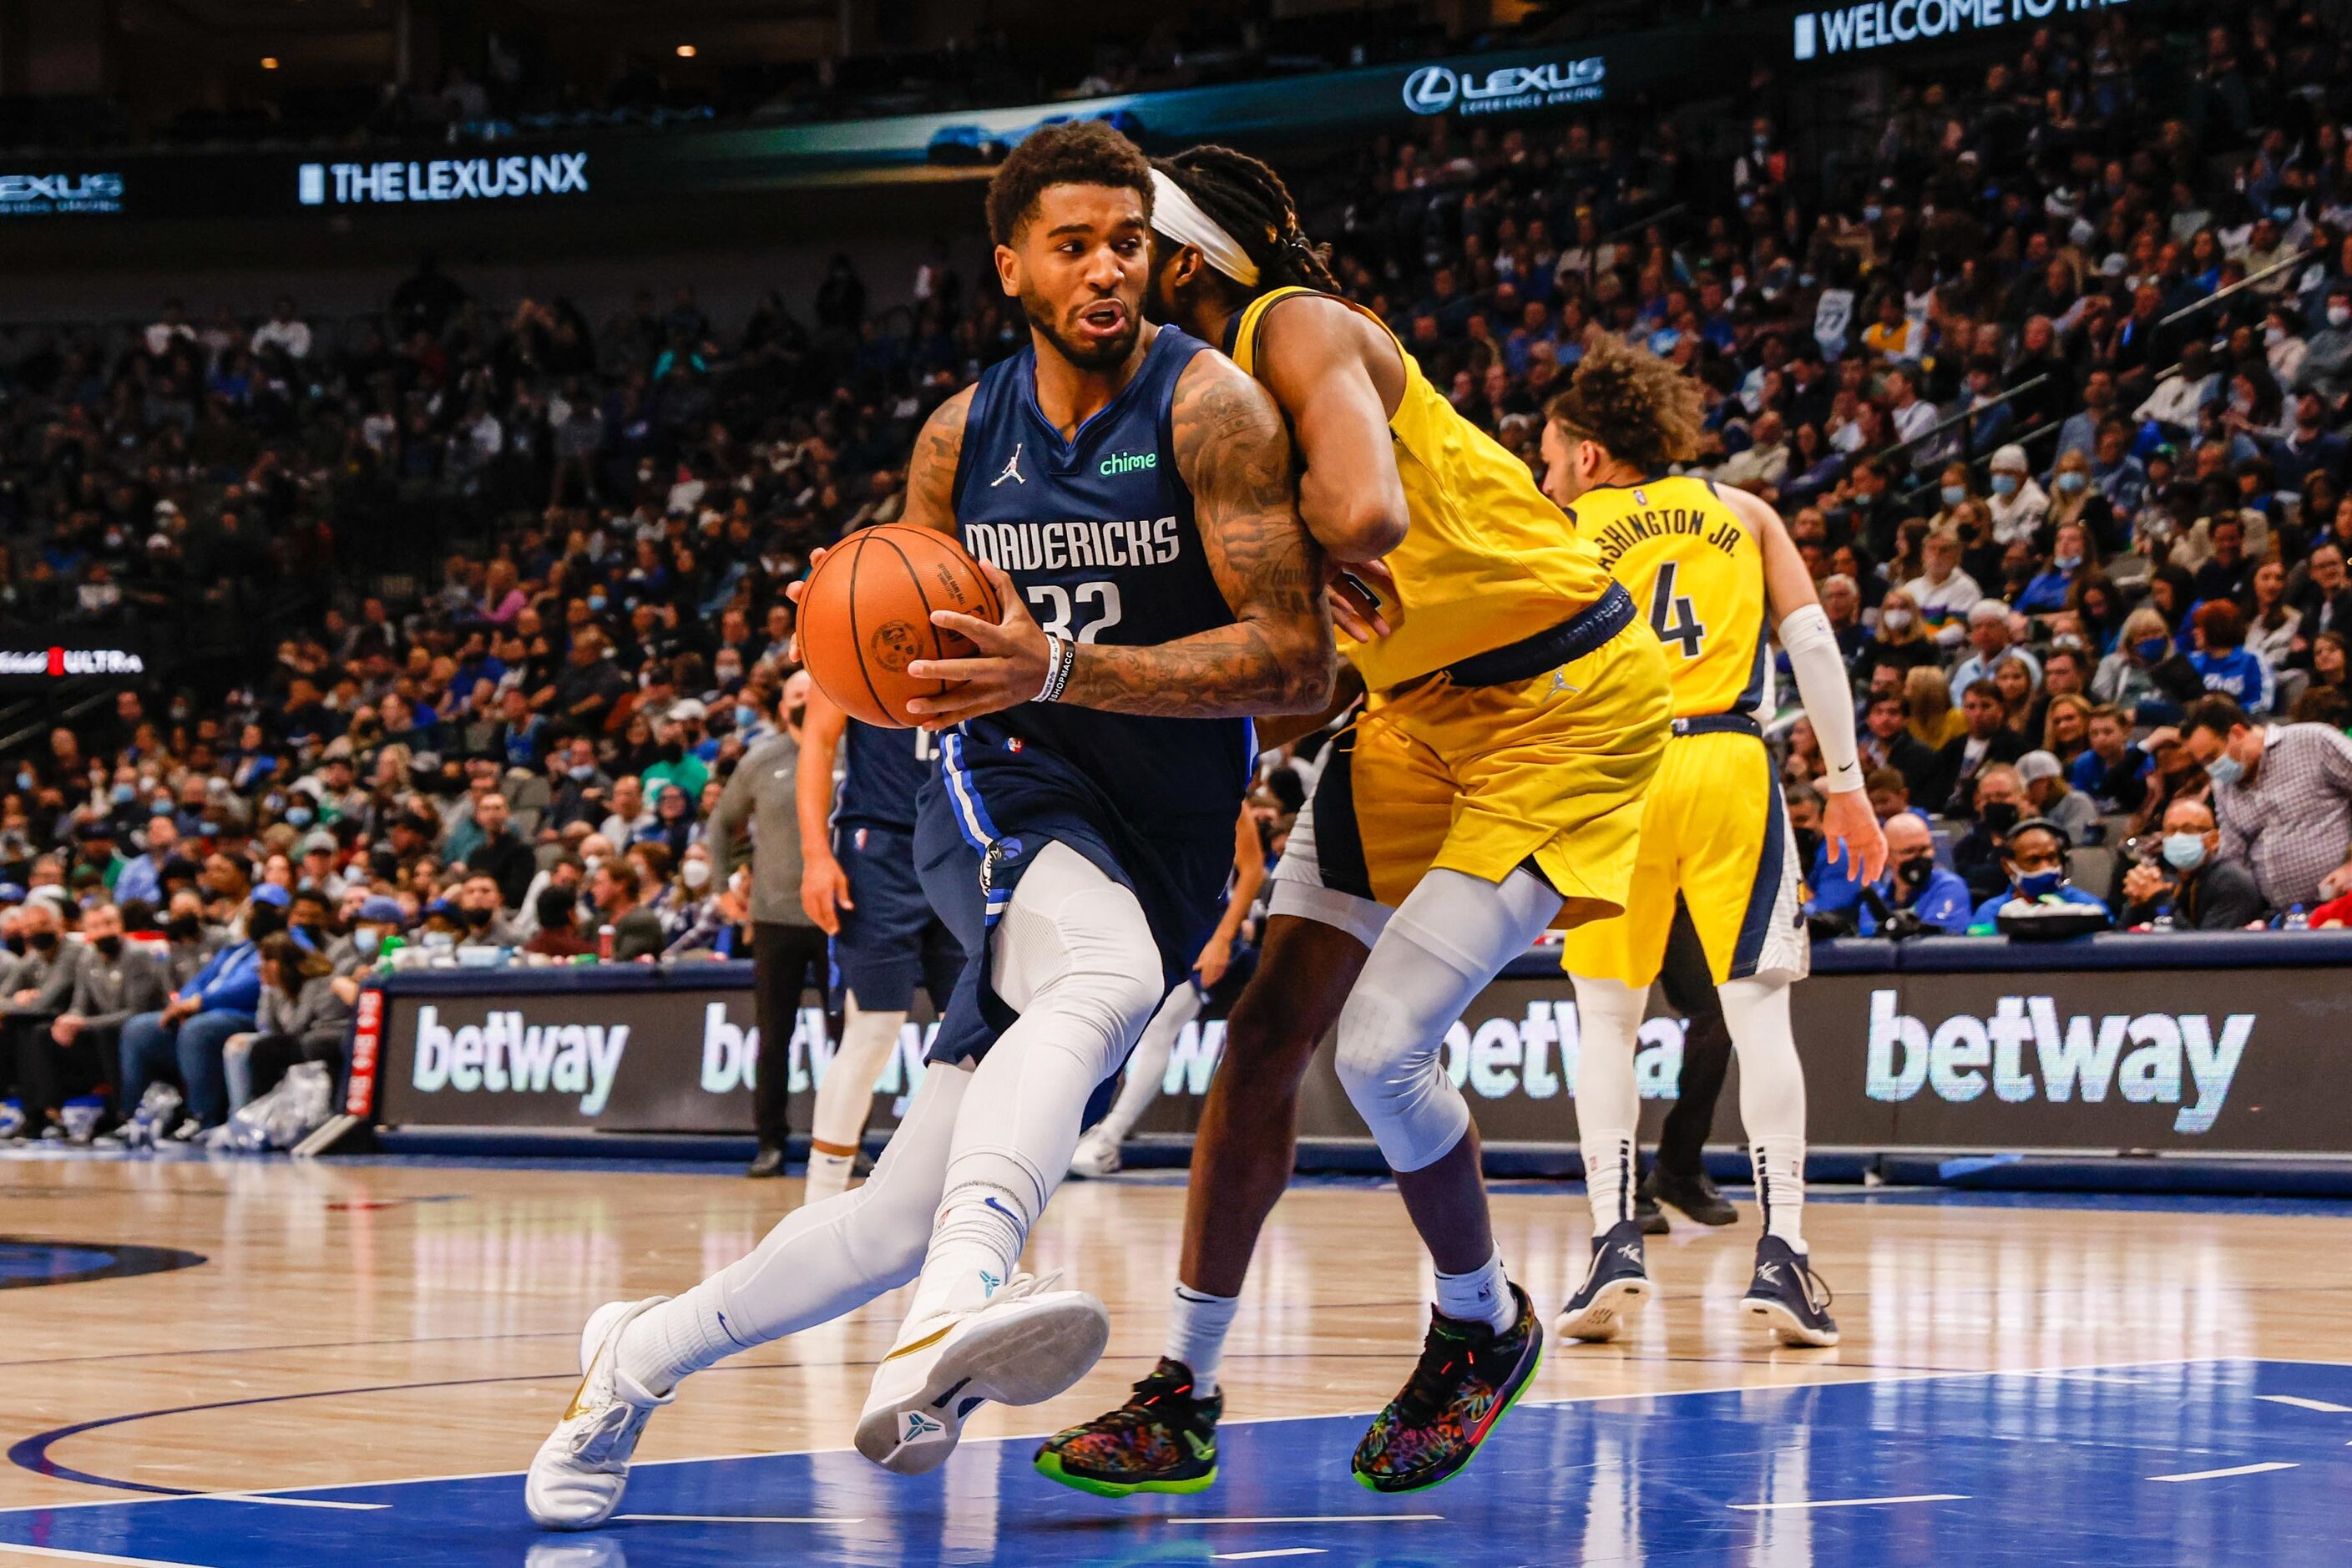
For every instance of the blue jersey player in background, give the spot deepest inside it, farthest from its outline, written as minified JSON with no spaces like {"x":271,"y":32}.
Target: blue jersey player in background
{"x":1133,"y":491}
{"x":860,"y":883}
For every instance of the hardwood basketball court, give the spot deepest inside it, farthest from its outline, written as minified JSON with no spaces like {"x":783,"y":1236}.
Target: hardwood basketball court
{"x":2045,"y":1380}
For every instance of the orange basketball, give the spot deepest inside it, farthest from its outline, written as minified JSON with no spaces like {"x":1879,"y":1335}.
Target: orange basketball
{"x":866,"y":615}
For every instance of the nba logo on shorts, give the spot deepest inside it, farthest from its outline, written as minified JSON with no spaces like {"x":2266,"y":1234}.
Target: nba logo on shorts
{"x":860,"y":840}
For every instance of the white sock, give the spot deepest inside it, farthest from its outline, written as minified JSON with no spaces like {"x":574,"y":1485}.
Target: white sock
{"x":845,"y":1095}
{"x":1481,"y":1296}
{"x":1608,"y":1176}
{"x":1608,"y":1102}
{"x":683,"y":1334}
{"x":1197,"y":1324}
{"x":976,"y":1241}
{"x":1771,"y":1101}
{"x":828,"y":1175}
{"x":1148,"y":1064}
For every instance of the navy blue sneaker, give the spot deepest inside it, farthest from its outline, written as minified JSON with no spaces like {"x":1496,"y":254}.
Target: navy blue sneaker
{"x":1790,"y":1297}
{"x":1614,"y":1287}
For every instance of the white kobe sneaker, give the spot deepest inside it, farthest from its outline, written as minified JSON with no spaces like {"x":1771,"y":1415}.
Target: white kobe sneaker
{"x":578,"y":1473}
{"x":1027,"y":1344}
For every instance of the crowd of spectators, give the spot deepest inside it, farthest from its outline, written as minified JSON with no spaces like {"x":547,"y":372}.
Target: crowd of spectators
{"x":2048,"y":375}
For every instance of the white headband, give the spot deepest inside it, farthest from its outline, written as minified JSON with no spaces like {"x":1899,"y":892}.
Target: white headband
{"x":1179,"y":217}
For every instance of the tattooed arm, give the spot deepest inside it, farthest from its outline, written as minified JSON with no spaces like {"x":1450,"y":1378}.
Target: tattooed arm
{"x":1276,"y":656}
{"x":1233,"y":450}
{"x":931,"y":474}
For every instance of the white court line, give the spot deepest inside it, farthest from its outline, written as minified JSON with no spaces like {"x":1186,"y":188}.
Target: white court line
{"x":2302,"y":1404}
{"x":2232,"y":1470}
{"x":1272,"y":1551}
{"x":1851,"y":1501}
{"x":1301,"y":1518}
{"x":60,"y":1552}
{"x":733,"y":1519}
{"x":1325,"y":1415}
{"x":291,"y":1501}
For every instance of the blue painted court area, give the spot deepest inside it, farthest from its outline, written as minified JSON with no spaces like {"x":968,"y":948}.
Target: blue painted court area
{"x":2204,"y":1463}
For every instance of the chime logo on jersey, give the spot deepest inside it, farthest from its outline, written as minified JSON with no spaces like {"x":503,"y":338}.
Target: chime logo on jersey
{"x":2081,"y":1056}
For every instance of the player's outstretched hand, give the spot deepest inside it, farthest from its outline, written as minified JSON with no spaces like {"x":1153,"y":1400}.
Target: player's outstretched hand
{"x":793,"y":590}
{"x":1009,"y":669}
{"x":825,"y":891}
{"x":1851,"y":832}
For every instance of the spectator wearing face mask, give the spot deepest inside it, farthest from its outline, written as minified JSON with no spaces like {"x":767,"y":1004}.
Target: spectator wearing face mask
{"x":2126,"y":679}
{"x":2282,"y":793}
{"x":300,"y":1017}
{"x":2326,"y":365}
{"x":2034,"y":868}
{"x":2071,"y":557}
{"x":185,"y":1038}
{"x":482,"y":905}
{"x":2192,"y":882}
{"x":377,"y":918}
{"x":114,"y":980}
{"x":1997,"y":801}
{"x":40,"y":988}
{"x":2018,"y":504}
{"x":1914,"y":884}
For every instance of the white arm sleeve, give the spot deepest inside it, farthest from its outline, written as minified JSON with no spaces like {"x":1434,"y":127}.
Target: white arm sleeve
{"x":1828,"y":695}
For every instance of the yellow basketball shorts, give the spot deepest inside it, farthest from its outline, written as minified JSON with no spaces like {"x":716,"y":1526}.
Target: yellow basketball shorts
{"x":1714,"y":833}
{"x":1482,"y":780}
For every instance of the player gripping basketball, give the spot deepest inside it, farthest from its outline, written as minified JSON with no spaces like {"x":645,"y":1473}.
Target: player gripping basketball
{"x":1492,"y":789}
{"x":1136,"y":488}
{"x":1708,"y":564}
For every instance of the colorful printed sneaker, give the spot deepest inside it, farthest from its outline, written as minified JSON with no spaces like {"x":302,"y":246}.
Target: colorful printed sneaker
{"x":1163,"y":1439}
{"x":1614,"y":1287}
{"x":1790,"y":1297}
{"x":1469,"y":1376}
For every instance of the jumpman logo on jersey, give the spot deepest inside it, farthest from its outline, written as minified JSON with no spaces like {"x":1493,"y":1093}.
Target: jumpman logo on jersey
{"x":1012,"y":470}
{"x":1560,"y":686}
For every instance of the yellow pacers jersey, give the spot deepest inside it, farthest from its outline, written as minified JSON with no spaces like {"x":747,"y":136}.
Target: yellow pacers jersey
{"x":1695,"y":568}
{"x":1488,"y":559}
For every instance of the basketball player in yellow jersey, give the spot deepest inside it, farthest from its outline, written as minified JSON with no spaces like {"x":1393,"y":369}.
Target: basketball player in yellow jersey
{"x":1706,"y":564}
{"x":1517,"y":710}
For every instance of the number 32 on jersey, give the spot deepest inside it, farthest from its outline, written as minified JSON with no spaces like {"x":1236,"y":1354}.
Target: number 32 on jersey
{"x":1095,"y":604}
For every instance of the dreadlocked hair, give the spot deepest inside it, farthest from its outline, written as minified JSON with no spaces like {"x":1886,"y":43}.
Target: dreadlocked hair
{"x":1249,"y":201}
{"x":1636,"y":405}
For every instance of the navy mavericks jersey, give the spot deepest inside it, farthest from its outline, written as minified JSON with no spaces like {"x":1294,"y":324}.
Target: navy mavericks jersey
{"x":884,"y":771}
{"x":1098,"y":534}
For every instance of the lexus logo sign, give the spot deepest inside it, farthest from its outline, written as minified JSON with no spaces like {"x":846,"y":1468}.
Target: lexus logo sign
{"x":1433,"y":89}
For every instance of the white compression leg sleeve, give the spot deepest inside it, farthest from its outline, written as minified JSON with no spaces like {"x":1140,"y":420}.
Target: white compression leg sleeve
{"x":1073,"y":957}
{"x":846,"y":1096}
{"x":821,"y":1262}
{"x":1607,"y":1104}
{"x":1447,"y":940}
{"x":1771,"y":1099}
{"x":1149,"y":1065}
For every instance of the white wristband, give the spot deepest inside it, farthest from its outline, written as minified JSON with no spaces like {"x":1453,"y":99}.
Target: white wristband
{"x":1828,"y":695}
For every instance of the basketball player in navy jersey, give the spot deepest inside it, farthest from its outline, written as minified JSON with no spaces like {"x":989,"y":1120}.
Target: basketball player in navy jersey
{"x":860,"y":884}
{"x":1133,"y":491}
